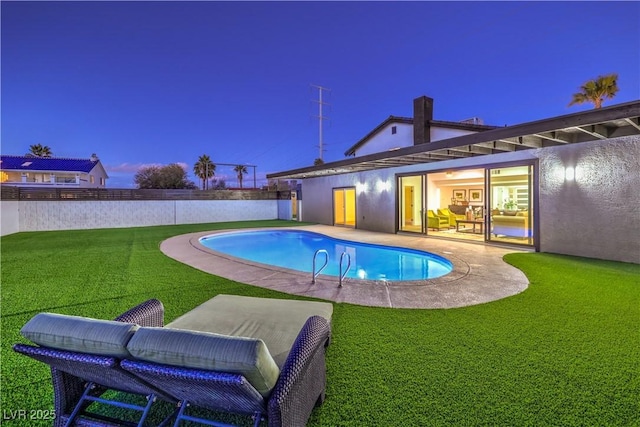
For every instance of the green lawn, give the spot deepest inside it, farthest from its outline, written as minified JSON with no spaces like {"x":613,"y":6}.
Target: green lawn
{"x":564,"y":352}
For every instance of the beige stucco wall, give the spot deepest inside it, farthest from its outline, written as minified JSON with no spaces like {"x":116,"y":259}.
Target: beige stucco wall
{"x":68,"y":215}
{"x":597,"y":213}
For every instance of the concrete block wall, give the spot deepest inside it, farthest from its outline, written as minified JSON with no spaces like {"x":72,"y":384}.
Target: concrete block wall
{"x":46,"y":215}
{"x":284,"y":209}
{"x":9,"y":217}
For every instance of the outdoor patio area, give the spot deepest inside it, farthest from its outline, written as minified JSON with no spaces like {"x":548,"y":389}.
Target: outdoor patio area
{"x":479,"y":274}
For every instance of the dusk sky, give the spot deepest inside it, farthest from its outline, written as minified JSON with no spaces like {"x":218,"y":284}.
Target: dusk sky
{"x":142,"y":83}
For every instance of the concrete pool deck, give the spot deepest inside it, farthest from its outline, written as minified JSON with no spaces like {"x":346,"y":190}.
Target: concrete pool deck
{"x":479,"y":274}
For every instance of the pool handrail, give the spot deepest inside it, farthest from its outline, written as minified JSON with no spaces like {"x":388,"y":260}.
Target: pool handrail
{"x":342,"y":275}
{"x":326,"y":261}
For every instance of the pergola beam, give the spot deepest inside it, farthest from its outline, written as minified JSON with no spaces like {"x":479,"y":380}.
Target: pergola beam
{"x":522,"y":142}
{"x":498,"y":145}
{"x":474,"y":149}
{"x":554,"y":136}
{"x":597,"y":131}
{"x":452,"y":153}
{"x":635,"y":122}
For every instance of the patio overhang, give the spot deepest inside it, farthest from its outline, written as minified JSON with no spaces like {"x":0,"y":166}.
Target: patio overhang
{"x":598,"y":124}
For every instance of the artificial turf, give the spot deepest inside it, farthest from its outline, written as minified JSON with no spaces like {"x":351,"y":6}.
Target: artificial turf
{"x":565,"y":352}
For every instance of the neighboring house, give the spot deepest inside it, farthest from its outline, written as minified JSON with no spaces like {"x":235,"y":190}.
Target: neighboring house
{"x":30,"y":171}
{"x":567,"y":184}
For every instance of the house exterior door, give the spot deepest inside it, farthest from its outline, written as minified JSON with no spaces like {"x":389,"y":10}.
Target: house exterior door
{"x":410,"y":191}
{"x":344,"y":206}
{"x":408,"y":205}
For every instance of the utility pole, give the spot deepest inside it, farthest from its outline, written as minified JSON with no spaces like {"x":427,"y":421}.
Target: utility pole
{"x":320,"y":116}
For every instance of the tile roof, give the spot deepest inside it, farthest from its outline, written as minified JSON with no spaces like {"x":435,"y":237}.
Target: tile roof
{"x":26,"y":163}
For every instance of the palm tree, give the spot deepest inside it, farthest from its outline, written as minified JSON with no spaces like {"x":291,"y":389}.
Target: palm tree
{"x":204,"y":169}
{"x":39,"y":150}
{"x":240,"y":170}
{"x":596,"y":91}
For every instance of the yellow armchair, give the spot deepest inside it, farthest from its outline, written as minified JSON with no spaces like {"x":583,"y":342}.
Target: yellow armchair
{"x":453,"y":218}
{"x":435,"y":221}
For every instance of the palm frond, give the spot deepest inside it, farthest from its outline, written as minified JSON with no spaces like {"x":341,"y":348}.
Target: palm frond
{"x":597,"y":90}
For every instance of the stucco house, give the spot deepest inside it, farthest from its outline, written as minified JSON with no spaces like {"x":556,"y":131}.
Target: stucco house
{"x":30,"y":171}
{"x":568,"y":184}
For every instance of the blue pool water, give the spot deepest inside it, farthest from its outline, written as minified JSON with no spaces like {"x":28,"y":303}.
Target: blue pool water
{"x":294,"y":249}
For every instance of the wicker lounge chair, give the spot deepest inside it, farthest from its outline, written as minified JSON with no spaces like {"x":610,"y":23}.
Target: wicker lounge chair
{"x":296,"y":334}
{"x":80,"y":378}
{"x":253,"y":356}
{"x":300,"y":386}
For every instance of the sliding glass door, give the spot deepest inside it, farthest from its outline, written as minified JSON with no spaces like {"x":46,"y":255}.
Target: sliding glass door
{"x":455,"y":204}
{"x":479,"y":204}
{"x":344,"y":206}
{"x":511,"y":214}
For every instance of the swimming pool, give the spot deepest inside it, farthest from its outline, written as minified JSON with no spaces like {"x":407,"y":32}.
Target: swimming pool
{"x":295,"y":249}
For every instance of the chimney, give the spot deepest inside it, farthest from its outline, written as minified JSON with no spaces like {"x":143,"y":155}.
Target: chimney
{"x":422,"y":116}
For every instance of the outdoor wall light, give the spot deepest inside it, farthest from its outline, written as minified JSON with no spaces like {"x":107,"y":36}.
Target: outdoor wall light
{"x":382,"y":186}
{"x":569,"y":174}
{"x":361,"y":187}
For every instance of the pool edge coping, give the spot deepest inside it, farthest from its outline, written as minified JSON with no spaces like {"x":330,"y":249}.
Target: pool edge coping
{"x":468,"y":284}
{"x":456,"y":272}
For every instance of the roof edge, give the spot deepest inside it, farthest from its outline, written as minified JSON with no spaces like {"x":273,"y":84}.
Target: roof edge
{"x":581,"y":118}
{"x":409,"y":120}
{"x":391,"y":119}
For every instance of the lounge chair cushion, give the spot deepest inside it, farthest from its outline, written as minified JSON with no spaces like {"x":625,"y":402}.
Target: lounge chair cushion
{"x":204,"y":350}
{"x":81,"y":334}
{"x":277,"y":322}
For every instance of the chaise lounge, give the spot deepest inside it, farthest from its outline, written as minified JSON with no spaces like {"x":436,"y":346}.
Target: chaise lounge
{"x":253,"y":356}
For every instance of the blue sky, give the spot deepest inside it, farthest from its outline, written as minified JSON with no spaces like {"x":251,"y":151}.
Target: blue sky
{"x":142,"y":83}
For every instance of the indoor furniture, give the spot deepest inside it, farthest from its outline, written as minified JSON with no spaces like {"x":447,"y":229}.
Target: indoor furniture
{"x":436,"y":221}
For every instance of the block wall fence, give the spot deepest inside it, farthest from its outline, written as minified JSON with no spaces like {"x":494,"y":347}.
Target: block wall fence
{"x":45,"y":215}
